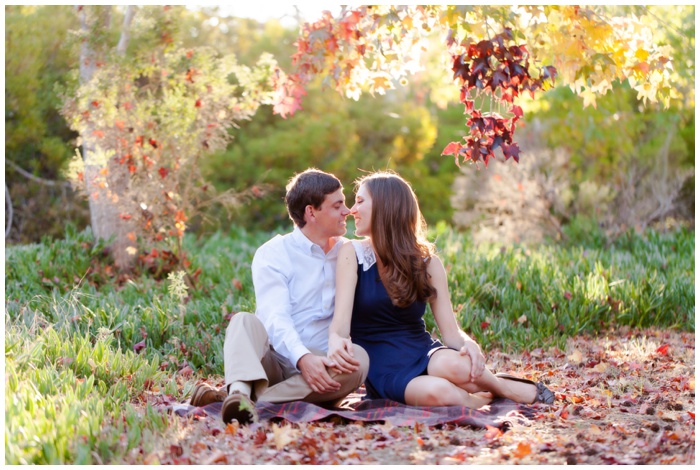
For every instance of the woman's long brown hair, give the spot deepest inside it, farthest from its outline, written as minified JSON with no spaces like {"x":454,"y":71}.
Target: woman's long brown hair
{"x":398,"y":235}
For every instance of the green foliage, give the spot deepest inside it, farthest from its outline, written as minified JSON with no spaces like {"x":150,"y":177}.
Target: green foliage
{"x":517,"y":297}
{"x":34,"y":64}
{"x":338,"y":135}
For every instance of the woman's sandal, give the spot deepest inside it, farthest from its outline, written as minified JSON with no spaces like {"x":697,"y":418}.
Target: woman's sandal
{"x":544,"y":395}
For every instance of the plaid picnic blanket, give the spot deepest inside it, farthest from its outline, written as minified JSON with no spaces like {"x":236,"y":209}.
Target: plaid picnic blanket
{"x":501,"y":413}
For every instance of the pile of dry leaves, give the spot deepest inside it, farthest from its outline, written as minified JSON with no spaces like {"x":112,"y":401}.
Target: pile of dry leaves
{"x":625,"y":397}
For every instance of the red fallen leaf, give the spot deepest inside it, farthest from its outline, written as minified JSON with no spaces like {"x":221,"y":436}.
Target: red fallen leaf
{"x":163,"y":172}
{"x":140,"y":345}
{"x":182,"y":461}
{"x":663,"y":349}
{"x":125,"y":216}
{"x":260,"y":437}
{"x":175,"y":450}
{"x":237,"y":284}
{"x":189,"y":54}
{"x":692,"y":415}
{"x":97,"y":133}
{"x":132,"y":168}
{"x":567,"y":295}
{"x":198,"y":447}
{"x":95,"y":103}
{"x":484,"y":325}
{"x":198,"y":104}
{"x":186,"y":371}
{"x":153,"y":142}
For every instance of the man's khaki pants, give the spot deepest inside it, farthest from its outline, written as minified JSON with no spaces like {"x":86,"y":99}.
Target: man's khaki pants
{"x":248,"y":357}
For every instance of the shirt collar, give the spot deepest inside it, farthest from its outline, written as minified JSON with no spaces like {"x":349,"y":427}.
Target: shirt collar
{"x":305,"y":244}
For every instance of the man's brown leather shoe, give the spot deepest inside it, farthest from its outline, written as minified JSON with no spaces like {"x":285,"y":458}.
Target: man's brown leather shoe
{"x":239,"y":407}
{"x":204,"y":394}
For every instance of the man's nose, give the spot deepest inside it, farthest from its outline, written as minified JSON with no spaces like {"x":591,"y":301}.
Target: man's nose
{"x":346,"y":211}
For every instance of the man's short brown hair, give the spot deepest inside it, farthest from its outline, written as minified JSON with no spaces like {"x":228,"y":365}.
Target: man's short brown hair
{"x":309,"y":187}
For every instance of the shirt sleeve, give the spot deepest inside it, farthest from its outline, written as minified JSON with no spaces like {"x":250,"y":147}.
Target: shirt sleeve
{"x":273,"y":305}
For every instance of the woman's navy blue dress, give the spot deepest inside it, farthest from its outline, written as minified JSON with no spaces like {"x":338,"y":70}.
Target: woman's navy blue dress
{"x":395,"y":338}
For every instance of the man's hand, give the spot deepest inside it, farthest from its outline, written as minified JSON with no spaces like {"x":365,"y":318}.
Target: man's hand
{"x":313,"y":369}
{"x":473,"y":350}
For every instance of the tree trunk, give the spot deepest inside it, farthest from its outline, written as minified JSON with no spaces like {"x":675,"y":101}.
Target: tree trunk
{"x":104,"y":199}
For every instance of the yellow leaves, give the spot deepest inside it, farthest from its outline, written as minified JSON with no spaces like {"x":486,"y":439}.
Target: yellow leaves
{"x":380,"y":83}
{"x":589,"y":98}
{"x":283,"y":435}
{"x":641,"y":55}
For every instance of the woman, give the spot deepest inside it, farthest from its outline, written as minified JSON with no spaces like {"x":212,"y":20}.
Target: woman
{"x":383,"y":283}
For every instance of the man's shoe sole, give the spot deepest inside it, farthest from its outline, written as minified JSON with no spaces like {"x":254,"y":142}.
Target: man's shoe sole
{"x":239,"y":407}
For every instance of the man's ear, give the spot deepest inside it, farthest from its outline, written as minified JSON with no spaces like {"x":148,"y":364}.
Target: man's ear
{"x":309,"y":213}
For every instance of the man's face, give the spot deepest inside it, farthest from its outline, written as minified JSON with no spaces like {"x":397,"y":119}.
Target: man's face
{"x":330,"y":218}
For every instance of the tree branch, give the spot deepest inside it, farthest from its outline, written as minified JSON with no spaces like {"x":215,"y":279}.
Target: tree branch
{"x":126,"y":29}
{"x":37,"y":179}
{"x":8,"y":211}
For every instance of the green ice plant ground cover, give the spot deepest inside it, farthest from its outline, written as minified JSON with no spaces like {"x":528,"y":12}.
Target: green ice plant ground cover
{"x":81,"y":344}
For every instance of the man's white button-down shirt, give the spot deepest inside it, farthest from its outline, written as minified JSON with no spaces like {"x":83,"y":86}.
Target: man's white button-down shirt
{"x":294,"y":284}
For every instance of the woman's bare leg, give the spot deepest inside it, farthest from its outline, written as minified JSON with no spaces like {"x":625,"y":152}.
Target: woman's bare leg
{"x":426,"y":390}
{"x":452,"y":366}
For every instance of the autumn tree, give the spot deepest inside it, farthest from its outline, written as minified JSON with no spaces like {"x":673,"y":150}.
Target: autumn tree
{"x":145,"y":122}
{"x":496,"y":54}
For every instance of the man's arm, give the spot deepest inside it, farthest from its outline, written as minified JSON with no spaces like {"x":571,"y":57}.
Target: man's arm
{"x":274,"y":311}
{"x":273,"y":305}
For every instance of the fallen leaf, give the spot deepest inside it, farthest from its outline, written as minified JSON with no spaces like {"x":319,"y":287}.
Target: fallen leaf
{"x":576,"y":357}
{"x":523,"y":449}
{"x":492,"y":433}
{"x":218,"y":457}
{"x":232,"y":427}
{"x":283,"y":435}
{"x":663,"y":349}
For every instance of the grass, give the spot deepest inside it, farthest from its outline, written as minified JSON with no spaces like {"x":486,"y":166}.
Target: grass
{"x":83,"y":344}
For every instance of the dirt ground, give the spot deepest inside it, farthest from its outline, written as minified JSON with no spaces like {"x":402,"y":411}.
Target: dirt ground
{"x":625,"y":397}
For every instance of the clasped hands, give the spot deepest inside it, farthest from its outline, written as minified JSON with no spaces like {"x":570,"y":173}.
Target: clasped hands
{"x":340,"y":359}
{"x":472,"y":349}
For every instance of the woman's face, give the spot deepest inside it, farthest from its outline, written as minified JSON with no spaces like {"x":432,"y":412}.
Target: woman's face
{"x":362,"y":212}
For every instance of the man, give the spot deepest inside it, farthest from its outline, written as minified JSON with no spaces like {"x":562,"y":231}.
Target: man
{"x":279,"y":354}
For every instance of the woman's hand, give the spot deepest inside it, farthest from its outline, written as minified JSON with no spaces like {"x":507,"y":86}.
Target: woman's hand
{"x":473,"y":350}
{"x":341,"y":353}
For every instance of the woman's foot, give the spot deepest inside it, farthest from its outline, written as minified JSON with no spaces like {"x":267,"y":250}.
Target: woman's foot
{"x":525,"y":391}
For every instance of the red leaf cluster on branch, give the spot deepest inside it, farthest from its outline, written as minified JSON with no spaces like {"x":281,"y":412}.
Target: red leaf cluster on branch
{"x":502,"y":71}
